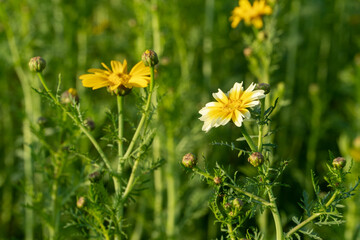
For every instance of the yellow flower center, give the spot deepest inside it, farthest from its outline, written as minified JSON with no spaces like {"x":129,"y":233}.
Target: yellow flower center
{"x":119,"y":78}
{"x":232,"y":105}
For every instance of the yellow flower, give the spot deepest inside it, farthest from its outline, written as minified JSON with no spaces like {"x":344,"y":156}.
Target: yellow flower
{"x":231,"y":106}
{"x":251,"y":14}
{"x":117,"y":76}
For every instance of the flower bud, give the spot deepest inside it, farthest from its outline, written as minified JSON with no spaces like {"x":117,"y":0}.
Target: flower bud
{"x":95,"y":177}
{"x":150,"y":58}
{"x":90,"y":124}
{"x":339,"y":163}
{"x":217,"y":180}
{"x":69,"y":95}
{"x":247,"y":51}
{"x":227,"y":206}
{"x":37,"y":64}
{"x":42,"y":121}
{"x":262,"y":35}
{"x":189,"y":160}
{"x":80,"y":202}
{"x":263,"y":86}
{"x":256,"y":159}
{"x":238,"y":204}
{"x":232,"y":214}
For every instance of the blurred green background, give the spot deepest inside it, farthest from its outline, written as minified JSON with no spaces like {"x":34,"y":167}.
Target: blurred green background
{"x":317,"y":80}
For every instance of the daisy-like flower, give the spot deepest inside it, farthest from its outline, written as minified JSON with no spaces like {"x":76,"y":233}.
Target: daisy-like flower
{"x":117,"y":77}
{"x":251,"y":14}
{"x":231,"y":106}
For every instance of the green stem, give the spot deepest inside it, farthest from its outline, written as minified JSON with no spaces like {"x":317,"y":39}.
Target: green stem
{"x":250,"y":195}
{"x":248,"y":139}
{"x":77,"y":122}
{"x":130,"y":183}
{"x":313,"y":216}
{"x":261,"y":125}
{"x":231,"y":231}
{"x":144,"y":116}
{"x":276,"y":215}
{"x":120,"y":144}
{"x":120,"y":161}
{"x":54,"y":227}
{"x":171,"y":184}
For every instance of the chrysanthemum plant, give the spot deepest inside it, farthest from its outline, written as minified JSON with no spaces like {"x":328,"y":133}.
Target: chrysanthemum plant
{"x":237,"y":198}
{"x":100,"y":210}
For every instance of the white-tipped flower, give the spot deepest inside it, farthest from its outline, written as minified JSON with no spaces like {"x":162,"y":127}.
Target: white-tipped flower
{"x":231,"y":106}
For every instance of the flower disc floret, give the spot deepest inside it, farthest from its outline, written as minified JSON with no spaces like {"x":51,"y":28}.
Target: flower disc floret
{"x":231,"y":106}
{"x":117,"y":76}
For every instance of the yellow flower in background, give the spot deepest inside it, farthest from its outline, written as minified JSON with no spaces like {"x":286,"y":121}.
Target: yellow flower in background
{"x":231,"y":106}
{"x":251,"y":14}
{"x":117,"y":76}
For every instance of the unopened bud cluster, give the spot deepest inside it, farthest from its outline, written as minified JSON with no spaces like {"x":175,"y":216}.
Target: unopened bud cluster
{"x":339,"y":163}
{"x":37,"y":64}
{"x":256,"y":159}
{"x":150,"y":58}
{"x":189,"y":160}
{"x":233,"y":207}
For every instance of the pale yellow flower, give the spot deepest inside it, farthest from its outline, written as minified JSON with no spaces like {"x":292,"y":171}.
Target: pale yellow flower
{"x":231,"y":106}
{"x":251,"y":14}
{"x":117,"y":76}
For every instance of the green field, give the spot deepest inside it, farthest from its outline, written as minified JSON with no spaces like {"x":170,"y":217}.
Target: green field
{"x":309,"y":53}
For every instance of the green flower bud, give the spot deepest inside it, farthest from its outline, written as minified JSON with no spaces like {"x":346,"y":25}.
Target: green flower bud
{"x":238,"y":204}
{"x":42,"y":121}
{"x":263,"y":86}
{"x":262,"y":35}
{"x":227,"y":206}
{"x":69,"y":95}
{"x":95,"y":177}
{"x":80,"y":202}
{"x":189,"y":160}
{"x":339,"y":163}
{"x":217,"y":180}
{"x":247,"y":51}
{"x":37,"y":64}
{"x":232,"y":214}
{"x":150,"y":58}
{"x":256,"y":159}
{"x":90,"y":124}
